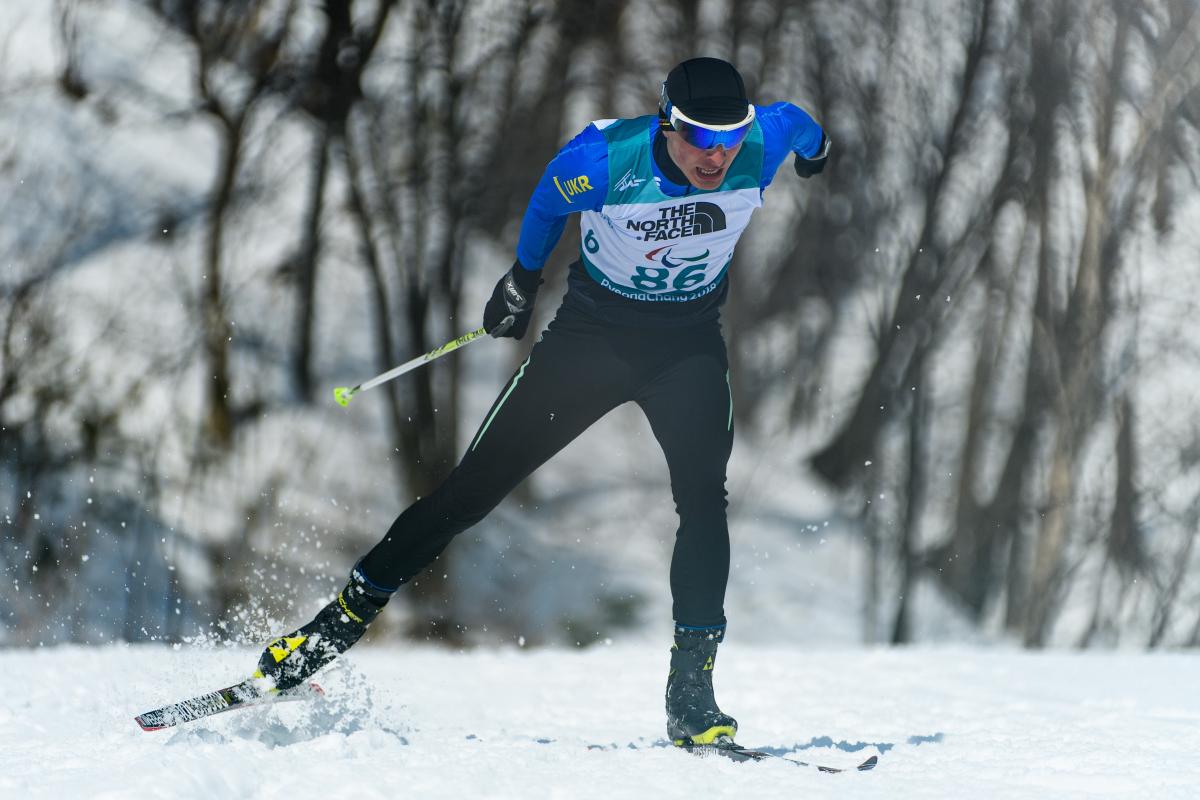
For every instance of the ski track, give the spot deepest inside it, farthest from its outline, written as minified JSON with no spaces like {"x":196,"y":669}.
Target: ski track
{"x":419,"y":721}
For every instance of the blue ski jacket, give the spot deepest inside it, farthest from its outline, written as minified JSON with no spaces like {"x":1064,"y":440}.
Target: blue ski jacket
{"x":579,"y":178}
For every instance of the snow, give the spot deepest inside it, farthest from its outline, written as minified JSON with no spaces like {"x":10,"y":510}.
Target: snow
{"x":419,"y":721}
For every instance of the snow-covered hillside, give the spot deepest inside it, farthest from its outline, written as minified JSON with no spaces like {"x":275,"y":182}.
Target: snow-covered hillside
{"x":429,"y":723}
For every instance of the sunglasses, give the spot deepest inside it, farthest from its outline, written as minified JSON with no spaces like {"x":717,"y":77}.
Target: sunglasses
{"x":703,"y":135}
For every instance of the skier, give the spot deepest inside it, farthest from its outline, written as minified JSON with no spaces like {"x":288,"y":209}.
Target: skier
{"x":662,"y":202}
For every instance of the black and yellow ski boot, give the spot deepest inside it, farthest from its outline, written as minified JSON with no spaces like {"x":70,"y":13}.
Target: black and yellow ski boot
{"x":692,"y":714}
{"x":289,"y":660}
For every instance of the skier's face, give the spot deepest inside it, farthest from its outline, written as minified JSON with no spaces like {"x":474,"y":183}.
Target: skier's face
{"x":705,"y":169}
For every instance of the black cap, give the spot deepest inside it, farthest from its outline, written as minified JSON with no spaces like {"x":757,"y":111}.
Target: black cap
{"x":708,"y":90}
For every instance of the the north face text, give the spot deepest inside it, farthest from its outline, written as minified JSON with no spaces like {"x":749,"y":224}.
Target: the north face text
{"x":677,"y":222}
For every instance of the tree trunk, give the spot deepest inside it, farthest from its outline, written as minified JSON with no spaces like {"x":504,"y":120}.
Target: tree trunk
{"x":217,"y":332}
{"x":306,"y":268}
{"x":906,"y":558}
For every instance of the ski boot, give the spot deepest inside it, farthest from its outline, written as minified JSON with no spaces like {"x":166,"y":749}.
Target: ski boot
{"x":289,"y":660}
{"x":692,"y":714}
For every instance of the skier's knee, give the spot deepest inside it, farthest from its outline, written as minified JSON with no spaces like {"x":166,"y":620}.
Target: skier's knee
{"x":700,"y":497}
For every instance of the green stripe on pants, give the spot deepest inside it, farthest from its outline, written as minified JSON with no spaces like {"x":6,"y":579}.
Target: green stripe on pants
{"x":516,"y":379}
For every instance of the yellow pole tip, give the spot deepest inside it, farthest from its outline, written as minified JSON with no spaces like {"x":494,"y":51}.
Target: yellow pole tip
{"x":342,"y":395}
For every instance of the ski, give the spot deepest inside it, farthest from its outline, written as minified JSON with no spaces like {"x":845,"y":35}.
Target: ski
{"x":728,"y":748}
{"x":250,"y":692}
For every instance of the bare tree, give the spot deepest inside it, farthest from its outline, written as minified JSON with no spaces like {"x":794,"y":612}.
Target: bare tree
{"x":413,"y":165}
{"x":248,"y":36}
{"x":329,"y":90}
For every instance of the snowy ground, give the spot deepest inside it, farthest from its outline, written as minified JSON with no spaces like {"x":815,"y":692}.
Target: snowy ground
{"x":422,"y":722}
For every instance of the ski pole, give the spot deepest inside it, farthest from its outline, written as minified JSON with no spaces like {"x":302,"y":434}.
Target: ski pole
{"x":343,"y":393}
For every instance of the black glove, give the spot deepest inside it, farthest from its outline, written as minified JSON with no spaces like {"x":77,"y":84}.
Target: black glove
{"x":807,"y":167}
{"x":510,"y":307}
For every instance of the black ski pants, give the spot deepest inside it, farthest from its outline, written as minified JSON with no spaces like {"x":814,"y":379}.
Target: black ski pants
{"x":576,"y":373}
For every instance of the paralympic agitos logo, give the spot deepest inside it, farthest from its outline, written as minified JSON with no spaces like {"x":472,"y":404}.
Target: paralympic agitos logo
{"x":662,"y":255}
{"x":677,"y":222}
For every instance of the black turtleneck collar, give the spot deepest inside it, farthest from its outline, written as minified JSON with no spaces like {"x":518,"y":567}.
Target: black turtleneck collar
{"x":666,"y":166}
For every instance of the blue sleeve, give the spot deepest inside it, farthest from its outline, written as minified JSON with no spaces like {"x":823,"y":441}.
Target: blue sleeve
{"x":576,"y":180}
{"x":786,"y":129}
